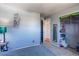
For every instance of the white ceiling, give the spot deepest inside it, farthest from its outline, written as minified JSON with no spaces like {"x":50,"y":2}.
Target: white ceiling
{"x":44,"y":8}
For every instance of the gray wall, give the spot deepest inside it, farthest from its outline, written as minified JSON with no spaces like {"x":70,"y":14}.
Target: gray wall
{"x":28,"y":30}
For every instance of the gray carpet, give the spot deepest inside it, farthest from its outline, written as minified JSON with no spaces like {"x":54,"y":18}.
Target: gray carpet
{"x":30,"y":51}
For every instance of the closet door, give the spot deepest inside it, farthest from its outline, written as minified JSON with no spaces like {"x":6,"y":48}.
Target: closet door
{"x":72,"y":33}
{"x":76,"y":35}
{"x":70,"y":30}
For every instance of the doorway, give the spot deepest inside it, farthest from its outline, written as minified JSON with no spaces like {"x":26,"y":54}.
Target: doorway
{"x":41,"y":31}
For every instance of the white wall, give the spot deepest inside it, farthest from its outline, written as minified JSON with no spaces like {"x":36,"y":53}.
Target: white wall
{"x":55,"y":18}
{"x":28,"y":30}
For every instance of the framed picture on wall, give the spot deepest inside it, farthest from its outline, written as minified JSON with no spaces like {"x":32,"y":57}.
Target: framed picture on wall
{"x":16,"y":20}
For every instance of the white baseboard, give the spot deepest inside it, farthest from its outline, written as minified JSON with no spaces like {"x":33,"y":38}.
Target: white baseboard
{"x":22,"y":48}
